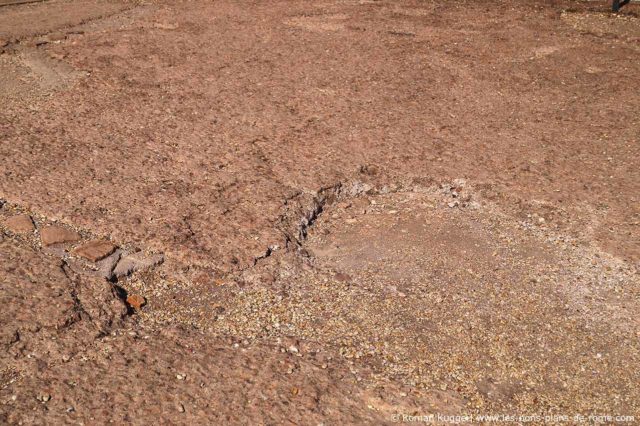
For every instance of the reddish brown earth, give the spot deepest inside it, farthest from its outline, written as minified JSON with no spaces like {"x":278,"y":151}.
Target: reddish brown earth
{"x":312,"y":212}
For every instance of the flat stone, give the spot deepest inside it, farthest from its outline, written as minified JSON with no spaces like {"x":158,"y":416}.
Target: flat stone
{"x":136,"y":301}
{"x":20,"y":224}
{"x":136,"y":262}
{"x":57,"y":235}
{"x":95,"y":250}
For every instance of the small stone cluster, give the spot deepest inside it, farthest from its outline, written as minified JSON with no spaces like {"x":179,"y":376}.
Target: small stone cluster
{"x":103,"y":257}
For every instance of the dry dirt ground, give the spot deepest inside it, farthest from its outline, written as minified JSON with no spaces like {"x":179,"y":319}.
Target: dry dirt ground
{"x":318,"y":212}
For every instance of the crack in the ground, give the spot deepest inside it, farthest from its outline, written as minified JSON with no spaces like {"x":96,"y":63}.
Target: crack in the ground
{"x":296,"y":222}
{"x":302,"y":210}
{"x":77,"y":303}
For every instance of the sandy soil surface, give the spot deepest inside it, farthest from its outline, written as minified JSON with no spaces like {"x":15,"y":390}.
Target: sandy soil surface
{"x":309,"y":212}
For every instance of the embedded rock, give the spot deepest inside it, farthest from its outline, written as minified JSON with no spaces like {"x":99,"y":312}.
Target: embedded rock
{"x":57,"y":235}
{"x":95,"y":250}
{"x":136,"y":301}
{"x":20,"y":224}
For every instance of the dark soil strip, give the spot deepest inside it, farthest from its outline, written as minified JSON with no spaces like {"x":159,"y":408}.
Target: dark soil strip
{"x":14,"y":2}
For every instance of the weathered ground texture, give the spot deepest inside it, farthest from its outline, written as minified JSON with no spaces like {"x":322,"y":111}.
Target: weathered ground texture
{"x":318,"y":212}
